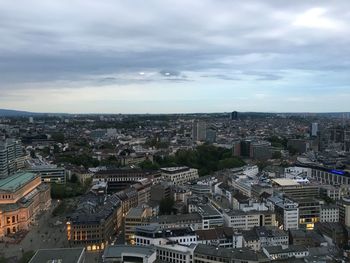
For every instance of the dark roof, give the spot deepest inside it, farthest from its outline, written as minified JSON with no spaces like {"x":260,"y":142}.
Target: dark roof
{"x":235,"y":254}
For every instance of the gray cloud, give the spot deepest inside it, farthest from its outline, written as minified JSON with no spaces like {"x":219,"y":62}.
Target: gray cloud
{"x":110,"y":42}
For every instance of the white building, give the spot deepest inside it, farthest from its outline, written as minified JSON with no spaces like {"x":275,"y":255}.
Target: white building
{"x":287,"y":212}
{"x":240,"y":220}
{"x":329,"y":213}
{"x":155,"y":235}
{"x":124,"y":253}
{"x":175,"y":253}
{"x":179,"y":175}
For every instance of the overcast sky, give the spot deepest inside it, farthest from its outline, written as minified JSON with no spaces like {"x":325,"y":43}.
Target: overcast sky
{"x":133,"y":56}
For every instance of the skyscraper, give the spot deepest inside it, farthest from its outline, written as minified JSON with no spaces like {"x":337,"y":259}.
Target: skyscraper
{"x":234,"y":115}
{"x":314,"y":129}
{"x":199,"y":131}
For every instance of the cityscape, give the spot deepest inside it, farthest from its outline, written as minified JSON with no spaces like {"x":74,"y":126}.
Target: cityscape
{"x":189,"y":131}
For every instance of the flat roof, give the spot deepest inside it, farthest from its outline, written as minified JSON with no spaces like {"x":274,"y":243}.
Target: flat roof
{"x":16,"y":181}
{"x":64,"y":255}
{"x":117,"y":251}
{"x":284,"y":182}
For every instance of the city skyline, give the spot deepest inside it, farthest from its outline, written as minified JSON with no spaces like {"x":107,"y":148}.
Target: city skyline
{"x":154,"y":57}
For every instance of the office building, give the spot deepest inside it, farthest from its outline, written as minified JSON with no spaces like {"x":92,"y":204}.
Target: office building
{"x":260,"y":150}
{"x":155,"y":235}
{"x":309,"y":212}
{"x":199,"y":131}
{"x":22,"y":198}
{"x":175,"y":253}
{"x":11,"y":157}
{"x":329,"y":213}
{"x":286,"y":252}
{"x":314,"y":129}
{"x":179,"y":175}
{"x":234,"y":115}
{"x":287,"y":212}
{"x":344,"y":211}
{"x":49,"y":173}
{"x":240,"y":220}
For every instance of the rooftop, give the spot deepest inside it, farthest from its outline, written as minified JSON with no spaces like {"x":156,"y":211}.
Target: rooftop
{"x":16,"y":181}
{"x":65,"y":255}
{"x":117,"y":251}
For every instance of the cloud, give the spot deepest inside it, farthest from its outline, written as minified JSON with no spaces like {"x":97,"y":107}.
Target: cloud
{"x":200,"y":44}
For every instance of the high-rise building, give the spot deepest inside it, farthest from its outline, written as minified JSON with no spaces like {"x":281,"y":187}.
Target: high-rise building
{"x":314,"y":129}
{"x":10,"y":157}
{"x":234,"y":115}
{"x":199,"y":131}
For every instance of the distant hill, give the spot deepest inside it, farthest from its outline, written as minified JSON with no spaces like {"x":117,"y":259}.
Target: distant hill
{"x":14,"y":113}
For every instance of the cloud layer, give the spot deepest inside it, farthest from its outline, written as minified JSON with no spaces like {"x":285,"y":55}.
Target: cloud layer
{"x":184,"y":56}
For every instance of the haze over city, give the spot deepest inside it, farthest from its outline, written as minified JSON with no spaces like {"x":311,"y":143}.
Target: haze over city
{"x":165,"y":57}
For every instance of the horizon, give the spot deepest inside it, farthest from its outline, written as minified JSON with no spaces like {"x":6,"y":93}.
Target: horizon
{"x":198,"y":56}
{"x":170,"y":113}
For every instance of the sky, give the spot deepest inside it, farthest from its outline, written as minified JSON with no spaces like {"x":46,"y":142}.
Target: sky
{"x":160,"y":56}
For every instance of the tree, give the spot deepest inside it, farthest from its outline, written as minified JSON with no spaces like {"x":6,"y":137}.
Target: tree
{"x":166,"y":206}
{"x":148,"y":165}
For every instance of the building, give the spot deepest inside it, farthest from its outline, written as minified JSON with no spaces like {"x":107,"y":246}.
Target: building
{"x":211,"y":254}
{"x":137,"y":216}
{"x":308,"y":238}
{"x":334,"y":233}
{"x":234,"y":115}
{"x":260,"y":237}
{"x":161,"y":191}
{"x":260,"y":150}
{"x":224,"y":237}
{"x":344,"y":211}
{"x":199,"y":131}
{"x":155,"y":235}
{"x":11,"y":157}
{"x":286,"y":252}
{"x":49,"y":173}
{"x":22,"y":197}
{"x":287,"y":212}
{"x":125,"y":253}
{"x":175,"y":253}
{"x":120,"y":179}
{"x":330,"y":176}
{"x":294,"y":189}
{"x":66,"y":255}
{"x":179,"y":175}
{"x":314,"y":129}
{"x":299,"y":145}
{"x":95,"y":222}
{"x":309,"y":212}
{"x":329,"y":213}
{"x":193,"y":220}
{"x":240,"y":220}
{"x":129,"y":198}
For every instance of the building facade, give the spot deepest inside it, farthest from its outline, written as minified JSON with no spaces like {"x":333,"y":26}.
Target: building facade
{"x":22,"y":198}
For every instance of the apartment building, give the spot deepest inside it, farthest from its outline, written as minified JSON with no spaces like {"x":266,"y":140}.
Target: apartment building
{"x":179,"y":175}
